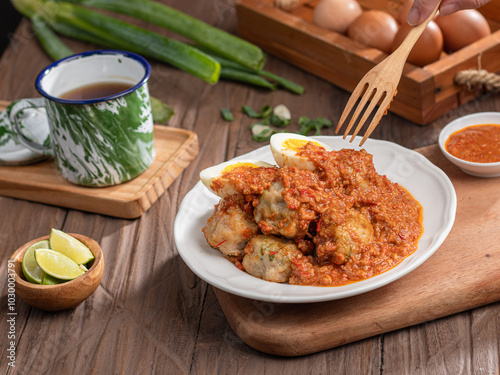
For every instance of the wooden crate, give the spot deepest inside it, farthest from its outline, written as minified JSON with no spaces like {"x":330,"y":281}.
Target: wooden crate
{"x":424,"y":94}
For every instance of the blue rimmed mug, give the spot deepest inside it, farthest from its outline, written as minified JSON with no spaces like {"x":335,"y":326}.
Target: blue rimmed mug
{"x":99,"y":141}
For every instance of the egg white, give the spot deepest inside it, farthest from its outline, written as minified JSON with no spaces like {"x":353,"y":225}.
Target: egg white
{"x":209,"y":174}
{"x":286,"y":154}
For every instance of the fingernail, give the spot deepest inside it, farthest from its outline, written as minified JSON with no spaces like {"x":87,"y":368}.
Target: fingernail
{"x":413,"y":17}
{"x":448,"y":9}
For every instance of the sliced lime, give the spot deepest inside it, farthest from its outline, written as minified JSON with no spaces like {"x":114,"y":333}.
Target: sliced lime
{"x":83,"y":267}
{"x":70,"y":246}
{"x":57,"y":264}
{"x":49,"y":280}
{"x":31,"y":271}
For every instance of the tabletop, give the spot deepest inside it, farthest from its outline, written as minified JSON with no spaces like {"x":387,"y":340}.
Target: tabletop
{"x":151,"y":314}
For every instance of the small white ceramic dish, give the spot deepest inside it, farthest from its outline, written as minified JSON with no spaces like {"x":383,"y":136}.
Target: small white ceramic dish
{"x":474,"y":169}
{"x":426,"y":182}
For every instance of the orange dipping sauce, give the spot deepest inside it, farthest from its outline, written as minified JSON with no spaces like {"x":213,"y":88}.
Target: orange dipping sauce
{"x":476,"y":143}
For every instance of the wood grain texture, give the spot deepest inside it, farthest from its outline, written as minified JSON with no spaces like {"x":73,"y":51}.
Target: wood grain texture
{"x":453,"y":280}
{"x":41,"y":182}
{"x":424,"y":94}
{"x":151,"y":314}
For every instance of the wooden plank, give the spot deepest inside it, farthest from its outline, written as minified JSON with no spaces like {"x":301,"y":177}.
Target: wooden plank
{"x":461,"y":275}
{"x":151,"y":314}
{"x":41,"y":182}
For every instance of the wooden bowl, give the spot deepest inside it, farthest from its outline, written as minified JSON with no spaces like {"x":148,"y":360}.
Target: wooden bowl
{"x":63,"y":296}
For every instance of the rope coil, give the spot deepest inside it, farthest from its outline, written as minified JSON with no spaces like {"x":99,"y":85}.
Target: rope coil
{"x":478,"y":77}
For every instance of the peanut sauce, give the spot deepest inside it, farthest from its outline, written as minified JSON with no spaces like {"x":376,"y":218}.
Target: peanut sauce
{"x":476,"y":143}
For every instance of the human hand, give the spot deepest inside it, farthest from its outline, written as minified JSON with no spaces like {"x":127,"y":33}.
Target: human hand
{"x":422,"y":9}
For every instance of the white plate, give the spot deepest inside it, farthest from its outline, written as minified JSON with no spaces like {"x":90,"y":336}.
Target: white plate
{"x":426,"y":182}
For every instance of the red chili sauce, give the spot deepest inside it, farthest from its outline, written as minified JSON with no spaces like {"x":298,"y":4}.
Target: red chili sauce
{"x":341,"y":223}
{"x":476,"y":143}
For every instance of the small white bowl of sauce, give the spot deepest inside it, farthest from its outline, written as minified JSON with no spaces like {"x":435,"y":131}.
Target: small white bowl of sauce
{"x":473,"y":143}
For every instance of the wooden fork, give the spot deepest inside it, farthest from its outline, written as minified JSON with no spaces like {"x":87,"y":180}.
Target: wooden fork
{"x":379,"y":85}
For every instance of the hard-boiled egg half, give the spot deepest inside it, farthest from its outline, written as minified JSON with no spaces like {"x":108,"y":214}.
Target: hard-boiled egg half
{"x":208,"y":175}
{"x":285,"y":147}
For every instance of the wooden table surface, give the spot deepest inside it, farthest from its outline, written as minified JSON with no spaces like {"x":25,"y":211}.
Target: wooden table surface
{"x":151,"y":314}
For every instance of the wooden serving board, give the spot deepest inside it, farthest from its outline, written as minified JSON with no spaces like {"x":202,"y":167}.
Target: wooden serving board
{"x":41,"y":182}
{"x":464,"y":273}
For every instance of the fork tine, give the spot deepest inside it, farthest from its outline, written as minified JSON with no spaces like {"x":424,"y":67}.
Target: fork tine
{"x":376,"y":119}
{"x":358,"y":91}
{"x":368,"y":95}
{"x":374,"y":101}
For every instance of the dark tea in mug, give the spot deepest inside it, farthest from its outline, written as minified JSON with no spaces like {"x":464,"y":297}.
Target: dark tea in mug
{"x":96,"y":90}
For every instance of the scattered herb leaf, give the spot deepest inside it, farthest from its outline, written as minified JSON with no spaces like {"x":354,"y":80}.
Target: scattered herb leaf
{"x":261,"y":132}
{"x":307,"y":125}
{"x":227,"y":115}
{"x":249,"y":111}
{"x":279,"y":121}
{"x":280,"y":117}
{"x":266,"y":111}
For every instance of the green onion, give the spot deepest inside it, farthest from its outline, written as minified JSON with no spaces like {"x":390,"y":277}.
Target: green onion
{"x":266,"y":111}
{"x":227,"y":64}
{"x":249,"y":111}
{"x":281,"y":116}
{"x":57,"y":50}
{"x":227,"y":115}
{"x":261,"y":132}
{"x":91,"y":26}
{"x":162,"y":112}
{"x":307,"y":125}
{"x":210,"y":37}
{"x":243,"y":76}
{"x":287,"y":84}
{"x":50,"y":42}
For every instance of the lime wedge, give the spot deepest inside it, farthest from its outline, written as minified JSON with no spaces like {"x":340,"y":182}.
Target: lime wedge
{"x":57,"y":264}
{"x":70,"y":246}
{"x":83,"y":267}
{"x":49,"y":280}
{"x":31,"y":271}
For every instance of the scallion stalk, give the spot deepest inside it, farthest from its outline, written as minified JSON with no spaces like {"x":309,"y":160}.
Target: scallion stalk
{"x":53,"y":46}
{"x":94,"y":27}
{"x":227,"y":64}
{"x":210,"y":37}
{"x":57,"y":50}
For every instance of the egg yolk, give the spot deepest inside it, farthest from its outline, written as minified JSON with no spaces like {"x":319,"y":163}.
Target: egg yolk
{"x":296,"y":144}
{"x":229,"y":168}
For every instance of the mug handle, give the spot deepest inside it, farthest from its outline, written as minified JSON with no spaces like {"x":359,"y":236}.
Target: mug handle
{"x":28,"y":143}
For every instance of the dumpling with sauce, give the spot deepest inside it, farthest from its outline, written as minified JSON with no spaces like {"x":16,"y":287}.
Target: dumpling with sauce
{"x":270,"y":258}
{"x":342,"y":234}
{"x":273,"y":215}
{"x":230,"y":227}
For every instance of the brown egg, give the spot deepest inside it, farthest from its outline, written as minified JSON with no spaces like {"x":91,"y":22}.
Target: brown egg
{"x":462,"y":28}
{"x":336,"y":15}
{"x":374,"y":28}
{"x":428,"y":47}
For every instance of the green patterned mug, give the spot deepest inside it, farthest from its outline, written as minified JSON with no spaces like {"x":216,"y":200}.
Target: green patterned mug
{"x":99,"y":141}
